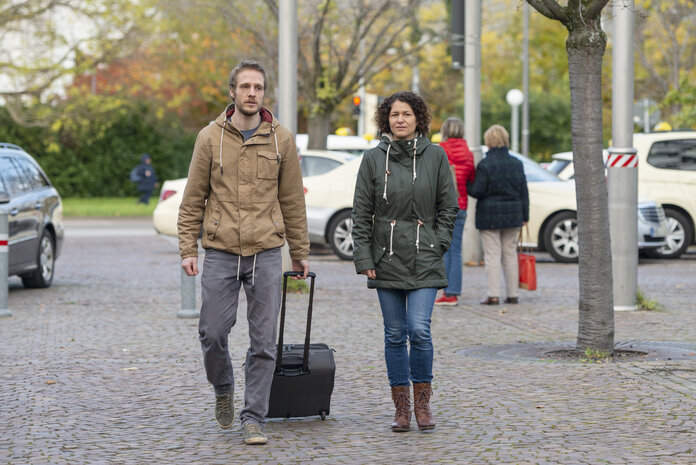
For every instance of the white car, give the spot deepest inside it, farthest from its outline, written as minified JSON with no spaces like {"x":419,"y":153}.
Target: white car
{"x":552,"y":212}
{"x":165,"y":215}
{"x":666,"y":174}
{"x":351,"y":144}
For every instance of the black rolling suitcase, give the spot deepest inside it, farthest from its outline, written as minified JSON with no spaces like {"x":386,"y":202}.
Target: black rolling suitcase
{"x":304,"y":376}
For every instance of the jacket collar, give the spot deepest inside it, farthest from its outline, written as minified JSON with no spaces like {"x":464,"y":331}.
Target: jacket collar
{"x":266,"y":117}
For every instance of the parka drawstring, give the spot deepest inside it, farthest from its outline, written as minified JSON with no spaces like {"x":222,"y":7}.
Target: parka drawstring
{"x":222,"y":133}
{"x":415,"y":144}
{"x":391,"y":238}
{"x":420,"y":223}
{"x":253,"y":272}
{"x":386,"y":175}
{"x":239,"y":265}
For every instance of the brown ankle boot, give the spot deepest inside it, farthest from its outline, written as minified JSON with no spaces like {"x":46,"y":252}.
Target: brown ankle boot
{"x":401,"y":395}
{"x":421,"y":405}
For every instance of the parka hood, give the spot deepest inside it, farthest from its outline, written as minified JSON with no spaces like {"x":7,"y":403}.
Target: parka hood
{"x":266,"y":116}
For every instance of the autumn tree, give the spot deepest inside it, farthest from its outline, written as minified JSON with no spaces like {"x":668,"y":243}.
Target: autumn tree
{"x":42,"y":48}
{"x":585,"y":47}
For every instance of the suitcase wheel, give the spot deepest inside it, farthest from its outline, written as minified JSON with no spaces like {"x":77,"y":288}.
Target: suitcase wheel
{"x":323,"y":414}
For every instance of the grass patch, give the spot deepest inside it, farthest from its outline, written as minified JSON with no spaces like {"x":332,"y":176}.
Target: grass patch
{"x":297,"y":286}
{"x":107,"y":206}
{"x":644,"y":303}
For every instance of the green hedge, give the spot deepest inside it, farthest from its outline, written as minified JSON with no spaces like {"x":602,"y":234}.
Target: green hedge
{"x":93,"y":142}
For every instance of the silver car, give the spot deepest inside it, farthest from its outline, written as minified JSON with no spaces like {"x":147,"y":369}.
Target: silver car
{"x":35,"y":214}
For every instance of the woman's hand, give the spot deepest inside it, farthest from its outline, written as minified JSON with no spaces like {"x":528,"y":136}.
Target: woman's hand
{"x":369,"y":273}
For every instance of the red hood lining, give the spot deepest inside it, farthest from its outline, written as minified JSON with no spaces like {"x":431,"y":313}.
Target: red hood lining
{"x":266,"y":115}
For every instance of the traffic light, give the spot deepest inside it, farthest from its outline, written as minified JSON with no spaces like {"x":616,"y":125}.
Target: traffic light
{"x":356,"y":105}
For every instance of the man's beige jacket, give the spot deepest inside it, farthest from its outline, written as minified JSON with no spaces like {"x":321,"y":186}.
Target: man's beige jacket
{"x":248,"y":194}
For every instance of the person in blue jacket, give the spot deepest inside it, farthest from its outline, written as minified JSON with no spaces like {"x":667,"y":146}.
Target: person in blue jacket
{"x":146,"y":178}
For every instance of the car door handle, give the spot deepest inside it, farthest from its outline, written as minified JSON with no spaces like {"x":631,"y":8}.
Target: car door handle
{"x":38,"y":205}
{"x":13,"y":212}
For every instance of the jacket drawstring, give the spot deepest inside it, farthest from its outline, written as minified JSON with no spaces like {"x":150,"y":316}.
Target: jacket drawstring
{"x":386,"y":175}
{"x":222,"y":132}
{"x":420,"y":223}
{"x":239,"y":265}
{"x":391,"y":238}
{"x":415,"y":143}
{"x":253,"y":272}
{"x":275,"y":136}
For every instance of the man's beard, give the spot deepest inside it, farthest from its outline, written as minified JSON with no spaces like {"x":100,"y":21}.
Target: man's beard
{"x":240,"y":108}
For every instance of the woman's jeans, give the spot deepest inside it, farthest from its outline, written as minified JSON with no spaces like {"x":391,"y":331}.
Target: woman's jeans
{"x":453,"y":257}
{"x":407,"y":314}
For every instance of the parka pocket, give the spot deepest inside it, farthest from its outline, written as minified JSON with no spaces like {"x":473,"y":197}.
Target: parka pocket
{"x":267,"y":165}
{"x":277,"y":218}
{"x":212,"y":219}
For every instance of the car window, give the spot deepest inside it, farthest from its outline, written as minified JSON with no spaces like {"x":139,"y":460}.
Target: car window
{"x":314,"y":166}
{"x":532,"y":171}
{"x":673,"y":154}
{"x":557,"y":166}
{"x":14,"y":179}
{"x":32,"y":174}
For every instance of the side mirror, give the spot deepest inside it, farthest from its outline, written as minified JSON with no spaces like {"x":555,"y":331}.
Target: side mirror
{"x":4,"y":197}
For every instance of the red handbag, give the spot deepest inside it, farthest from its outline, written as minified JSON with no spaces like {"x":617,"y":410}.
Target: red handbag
{"x":527,"y":267}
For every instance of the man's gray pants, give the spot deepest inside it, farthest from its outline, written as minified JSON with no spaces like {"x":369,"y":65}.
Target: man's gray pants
{"x":220,"y":284}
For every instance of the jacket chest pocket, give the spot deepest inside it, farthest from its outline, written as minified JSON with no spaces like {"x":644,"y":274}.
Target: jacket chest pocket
{"x":267,"y":165}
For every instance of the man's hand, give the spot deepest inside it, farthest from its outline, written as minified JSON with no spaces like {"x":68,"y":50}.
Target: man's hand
{"x":300,"y":265}
{"x":190,"y":266}
{"x":370,"y":273}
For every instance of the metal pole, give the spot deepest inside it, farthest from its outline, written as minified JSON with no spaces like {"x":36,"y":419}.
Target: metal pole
{"x":471,"y":251}
{"x":188,"y":297}
{"x":515,"y":125}
{"x":622,"y":183}
{"x":525,"y":80}
{"x":4,"y":255}
{"x":287,"y":80}
{"x":287,"y":64}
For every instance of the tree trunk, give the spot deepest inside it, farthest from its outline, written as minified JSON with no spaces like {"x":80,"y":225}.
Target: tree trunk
{"x":318,"y":129}
{"x":585,"y":46}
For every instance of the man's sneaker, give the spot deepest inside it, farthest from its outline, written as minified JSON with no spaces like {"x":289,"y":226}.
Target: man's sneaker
{"x":447,"y":300}
{"x":224,"y":410}
{"x":252,"y":434}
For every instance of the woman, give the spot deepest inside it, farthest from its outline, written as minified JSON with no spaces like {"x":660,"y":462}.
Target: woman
{"x":403,"y":215}
{"x":502,"y":208}
{"x":461,"y":158}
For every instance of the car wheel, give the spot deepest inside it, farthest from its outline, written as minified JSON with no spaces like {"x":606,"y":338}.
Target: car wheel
{"x":561,"y":237}
{"x":679,"y":236}
{"x":339,"y":234}
{"x":42,"y":276}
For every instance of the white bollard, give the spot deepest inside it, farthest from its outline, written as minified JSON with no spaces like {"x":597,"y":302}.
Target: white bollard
{"x":4,"y":255}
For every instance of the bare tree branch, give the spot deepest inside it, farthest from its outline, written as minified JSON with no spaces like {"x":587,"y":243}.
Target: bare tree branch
{"x":549,"y":8}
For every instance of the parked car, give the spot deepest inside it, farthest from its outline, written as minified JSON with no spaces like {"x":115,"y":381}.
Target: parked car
{"x":552,"y":222}
{"x":35,"y":216}
{"x":165,"y":215}
{"x":666,"y":174}
{"x":351,"y":144}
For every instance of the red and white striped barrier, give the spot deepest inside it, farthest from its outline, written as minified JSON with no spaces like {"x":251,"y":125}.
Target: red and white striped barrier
{"x":616,"y":160}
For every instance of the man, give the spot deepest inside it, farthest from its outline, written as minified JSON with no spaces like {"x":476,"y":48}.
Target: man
{"x":146,"y":178}
{"x":245,"y":189}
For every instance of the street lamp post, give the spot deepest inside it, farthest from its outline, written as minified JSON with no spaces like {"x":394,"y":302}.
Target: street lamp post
{"x":515,"y":97}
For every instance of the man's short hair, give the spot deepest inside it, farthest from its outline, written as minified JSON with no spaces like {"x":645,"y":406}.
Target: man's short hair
{"x":496,"y":136}
{"x":247,"y":64}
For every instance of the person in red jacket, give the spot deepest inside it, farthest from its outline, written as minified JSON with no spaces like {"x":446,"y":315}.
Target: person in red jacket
{"x":461,"y":157}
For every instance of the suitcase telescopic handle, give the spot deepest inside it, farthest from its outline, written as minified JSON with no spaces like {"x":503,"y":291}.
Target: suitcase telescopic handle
{"x":305,"y":356}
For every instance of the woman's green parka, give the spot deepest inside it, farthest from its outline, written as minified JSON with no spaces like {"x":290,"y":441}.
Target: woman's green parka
{"x":403,"y":214}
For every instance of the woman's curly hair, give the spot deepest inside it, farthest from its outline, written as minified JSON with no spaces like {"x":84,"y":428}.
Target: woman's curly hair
{"x":417,"y":104}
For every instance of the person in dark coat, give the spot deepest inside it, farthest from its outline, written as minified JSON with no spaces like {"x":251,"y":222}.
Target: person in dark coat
{"x":403,"y":215}
{"x":502,"y":208}
{"x":147,"y":178}
{"x":462,"y":159}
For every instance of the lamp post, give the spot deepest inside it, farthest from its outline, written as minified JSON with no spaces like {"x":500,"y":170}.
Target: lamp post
{"x":515,"y":97}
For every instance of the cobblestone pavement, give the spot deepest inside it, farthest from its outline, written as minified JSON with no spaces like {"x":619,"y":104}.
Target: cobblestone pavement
{"x":99,"y":370}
